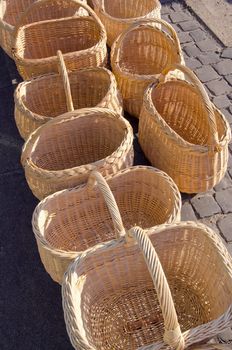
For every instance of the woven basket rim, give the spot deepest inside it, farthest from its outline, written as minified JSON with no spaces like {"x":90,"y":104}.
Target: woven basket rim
{"x":190,"y":147}
{"x":60,"y":252}
{"x":18,"y":97}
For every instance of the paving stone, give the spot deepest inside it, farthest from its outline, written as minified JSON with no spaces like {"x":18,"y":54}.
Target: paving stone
{"x":184,"y":37}
{"x":205,"y":205}
{"x":192,"y":50}
{"x":221,"y":101}
{"x":225,"y":226}
{"x":193,"y":63}
{"x":166,"y":18}
{"x":178,"y":17}
{"x":230,"y":163}
{"x":224,"y":67}
{"x":228,"y":115}
{"x":165,"y":10}
{"x":211,"y":223}
{"x":187,"y":212}
{"x":189,"y":25}
{"x":229,"y":78}
{"x":230,"y":95}
{"x":207,"y":45}
{"x":209,"y":58}
{"x":176,"y":28}
{"x":198,"y":35}
{"x":206,"y":74}
{"x":227,"y":53}
{"x":223,"y":198}
{"x":177,"y":7}
{"x":225,"y":183}
{"x":218,"y":87}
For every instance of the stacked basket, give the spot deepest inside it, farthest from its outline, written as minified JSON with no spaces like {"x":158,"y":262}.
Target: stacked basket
{"x":133,"y":276}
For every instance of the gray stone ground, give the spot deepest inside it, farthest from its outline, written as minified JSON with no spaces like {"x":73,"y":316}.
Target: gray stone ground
{"x":30,"y":303}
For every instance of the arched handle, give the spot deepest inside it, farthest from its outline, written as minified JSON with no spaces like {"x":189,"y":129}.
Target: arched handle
{"x":66,"y":82}
{"x":205,"y":98}
{"x":144,"y":23}
{"x":173,"y":335}
{"x":110,"y":201}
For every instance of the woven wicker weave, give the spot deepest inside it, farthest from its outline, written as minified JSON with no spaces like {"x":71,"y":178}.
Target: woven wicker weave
{"x":111,"y":301}
{"x":118,"y":15}
{"x":184,"y":134}
{"x":43,"y":98}
{"x":18,"y":12}
{"x":138,"y":57}
{"x":61,"y":153}
{"x":71,"y":221}
{"x":82,"y":39}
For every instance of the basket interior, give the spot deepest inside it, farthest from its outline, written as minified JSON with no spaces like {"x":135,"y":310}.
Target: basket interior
{"x":43,"y":39}
{"x":147,"y":51}
{"x":80,"y":219}
{"x":11,"y":10}
{"x":129,"y":8}
{"x":117,"y":302}
{"x":46,"y":96}
{"x":78,"y":141}
{"x":181,"y":106}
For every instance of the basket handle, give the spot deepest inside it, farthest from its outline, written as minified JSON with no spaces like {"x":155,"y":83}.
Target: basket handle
{"x":66,"y":82}
{"x":110,"y":201}
{"x":173,"y":335}
{"x":201,"y":90}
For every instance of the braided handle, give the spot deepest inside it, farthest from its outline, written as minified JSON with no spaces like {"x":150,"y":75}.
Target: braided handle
{"x":66,"y":82}
{"x":205,"y":98}
{"x":173,"y":335}
{"x":110,"y":201}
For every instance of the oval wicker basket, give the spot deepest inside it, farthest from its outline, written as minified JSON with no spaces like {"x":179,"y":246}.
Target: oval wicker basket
{"x":139,"y":56}
{"x":117,"y":16}
{"x":18,"y":12}
{"x":61,"y":153}
{"x":68,"y":222}
{"x":182,"y":133}
{"x":44,"y":98}
{"x":82,"y":39}
{"x":111,"y":301}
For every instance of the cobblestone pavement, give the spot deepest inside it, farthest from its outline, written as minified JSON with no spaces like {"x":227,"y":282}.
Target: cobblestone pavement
{"x":30,"y":301}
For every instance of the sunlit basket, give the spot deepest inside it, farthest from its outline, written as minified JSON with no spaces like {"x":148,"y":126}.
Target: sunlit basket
{"x":82,"y":40}
{"x":111,"y":301}
{"x":61,"y":153}
{"x":18,"y":12}
{"x":118,"y":15}
{"x":139,"y":56}
{"x":68,"y":222}
{"x":44,"y":98}
{"x":183,"y":133}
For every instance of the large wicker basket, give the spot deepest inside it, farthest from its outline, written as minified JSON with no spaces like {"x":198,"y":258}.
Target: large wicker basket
{"x":18,"y":12}
{"x":61,"y":153}
{"x":183,"y":133}
{"x":44,"y":98}
{"x":82,"y":39}
{"x":71,"y":221}
{"x":111,"y":301}
{"x":118,"y":15}
{"x":138,"y":57}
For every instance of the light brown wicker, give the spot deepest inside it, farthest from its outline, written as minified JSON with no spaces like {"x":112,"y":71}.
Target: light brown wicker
{"x":61,"y":153}
{"x":139,"y":56}
{"x":183,"y":133}
{"x":68,"y":222}
{"x":117,"y":16}
{"x":18,"y":12}
{"x":82,"y":39}
{"x":43,"y":98}
{"x":111,"y":301}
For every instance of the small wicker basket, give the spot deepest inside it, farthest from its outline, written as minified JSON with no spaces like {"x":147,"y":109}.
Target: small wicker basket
{"x":18,"y":12}
{"x":61,"y":153}
{"x":139,"y":56}
{"x":44,"y":98}
{"x":117,"y":16}
{"x":183,"y":133}
{"x":111,"y":301}
{"x":82,"y":39}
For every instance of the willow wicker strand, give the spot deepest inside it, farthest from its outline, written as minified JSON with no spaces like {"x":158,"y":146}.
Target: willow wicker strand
{"x":66,"y":82}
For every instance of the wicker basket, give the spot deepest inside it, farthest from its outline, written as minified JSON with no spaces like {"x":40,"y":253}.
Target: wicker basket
{"x":82,"y":39}
{"x":71,"y":221}
{"x":184,"y":134}
{"x":61,"y":153}
{"x":18,"y":12}
{"x":43,"y":98}
{"x":111,"y":301}
{"x":117,"y":16}
{"x":138,"y":57}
